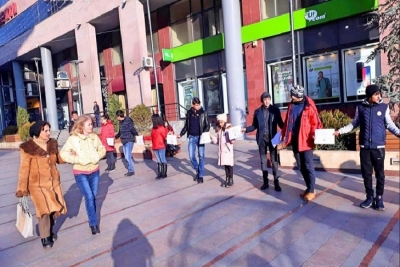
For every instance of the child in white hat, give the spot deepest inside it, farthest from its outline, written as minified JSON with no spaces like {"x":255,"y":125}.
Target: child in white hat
{"x":225,"y":149}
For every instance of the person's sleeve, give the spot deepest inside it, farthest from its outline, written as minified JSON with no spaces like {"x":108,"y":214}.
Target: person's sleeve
{"x":390,"y":124}
{"x":66,"y":154}
{"x":23,"y":177}
{"x":133,"y":129}
{"x":315,"y":121}
{"x":254,"y":125}
{"x":185,"y":127}
{"x":280,"y":120}
{"x":101,"y":150}
{"x":354,"y":124}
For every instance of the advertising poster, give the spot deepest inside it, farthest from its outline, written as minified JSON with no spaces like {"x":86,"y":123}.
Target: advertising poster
{"x":187,"y":90}
{"x":322,"y":76}
{"x":358,"y":72}
{"x":212,"y":95}
{"x":281,"y":78}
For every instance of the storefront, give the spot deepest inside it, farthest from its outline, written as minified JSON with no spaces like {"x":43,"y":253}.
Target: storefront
{"x":332,"y":62}
{"x":203,"y":77}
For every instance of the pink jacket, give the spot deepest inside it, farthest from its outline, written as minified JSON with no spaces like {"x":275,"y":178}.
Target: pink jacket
{"x":225,"y":148}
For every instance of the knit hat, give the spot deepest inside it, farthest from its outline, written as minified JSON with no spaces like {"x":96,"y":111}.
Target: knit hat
{"x":297,"y":91}
{"x":265,"y":95}
{"x":222,"y":117}
{"x":36,"y":128}
{"x":371,"y":90}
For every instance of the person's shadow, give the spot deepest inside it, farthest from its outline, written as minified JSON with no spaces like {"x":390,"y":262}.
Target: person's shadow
{"x":73,"y":199}
{"x":138,"y":255}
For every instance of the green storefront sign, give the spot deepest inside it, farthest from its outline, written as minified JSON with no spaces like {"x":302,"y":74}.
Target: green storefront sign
{"x":167,"y":55}
{"x":303,"y":18}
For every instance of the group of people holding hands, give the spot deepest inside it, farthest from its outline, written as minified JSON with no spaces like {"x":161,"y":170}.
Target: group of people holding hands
{"x":39,"y":177}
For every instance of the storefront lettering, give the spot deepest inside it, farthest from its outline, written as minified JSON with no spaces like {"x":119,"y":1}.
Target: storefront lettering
{"x":8,"y":14}
{"x":312,"y":15}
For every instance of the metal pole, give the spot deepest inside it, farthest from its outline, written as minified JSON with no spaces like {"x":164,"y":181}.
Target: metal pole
{"x":76,"y":63}
{"x":79,"y":90}
{"x":294,"y":73}
{"x":36,"y":59}
{"x":152,"y":55}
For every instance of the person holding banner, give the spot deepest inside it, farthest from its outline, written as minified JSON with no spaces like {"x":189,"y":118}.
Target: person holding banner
{"x":196,"y":123}
{"x":266,"y":120}
{"x":225,"y":148}
{"x":158,"y":137}
{"x":302,"y":120}
{"x":107,"y":139}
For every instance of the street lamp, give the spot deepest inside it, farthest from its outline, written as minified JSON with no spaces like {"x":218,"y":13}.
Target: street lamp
{"x":294,"y":73}
{"x":36,"y":59}
{"x":76,"y":63}
{"x":152,"y":55}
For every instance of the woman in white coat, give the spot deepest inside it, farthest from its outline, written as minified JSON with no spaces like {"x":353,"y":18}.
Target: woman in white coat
{"x":225,"y":148}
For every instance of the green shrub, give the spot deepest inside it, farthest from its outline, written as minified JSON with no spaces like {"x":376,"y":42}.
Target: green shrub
{"x":141,"y":116}
{"x":10,"y":130}
{"x":22,"y":117}
{"x":113,"y":106}
{"x":335,"y":120}
{"x":24,"y":131}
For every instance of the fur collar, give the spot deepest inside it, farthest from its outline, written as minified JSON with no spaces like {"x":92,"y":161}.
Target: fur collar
{"x":33,"y":149}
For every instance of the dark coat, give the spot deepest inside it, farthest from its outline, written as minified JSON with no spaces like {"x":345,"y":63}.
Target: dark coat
{"x":39,"y":177}
{"x":203,"y":121}
{"x":275,"y":120}
{"x":127,"y":131}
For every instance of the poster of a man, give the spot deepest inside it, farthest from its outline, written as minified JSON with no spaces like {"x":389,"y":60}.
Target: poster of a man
{"x":324,"y":86}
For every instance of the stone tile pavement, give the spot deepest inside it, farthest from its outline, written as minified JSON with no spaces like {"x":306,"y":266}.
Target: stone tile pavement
{"x":176,"y":222}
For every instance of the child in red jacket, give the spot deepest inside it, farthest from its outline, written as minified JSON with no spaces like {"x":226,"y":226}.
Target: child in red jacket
{"x":107,"y":132}
{"x":158,"y":137}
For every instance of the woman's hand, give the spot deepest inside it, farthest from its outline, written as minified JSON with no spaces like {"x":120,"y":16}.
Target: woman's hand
{"x":73,"y":152}
{"x":20,"y":193}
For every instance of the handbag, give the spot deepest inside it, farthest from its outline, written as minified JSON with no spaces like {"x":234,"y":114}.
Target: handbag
{"x":110,"y":141}
{"x":24,"y":221}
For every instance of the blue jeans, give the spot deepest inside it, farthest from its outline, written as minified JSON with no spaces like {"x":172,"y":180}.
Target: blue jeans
{"x":160,"y":155}
{"x":128,"y":147}
{"x":97,"y":117}
{"x":193,"y":144}
{"x":88,"y":184}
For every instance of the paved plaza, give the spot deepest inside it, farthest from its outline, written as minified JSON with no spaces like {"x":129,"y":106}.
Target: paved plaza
{"x":176,"y":222}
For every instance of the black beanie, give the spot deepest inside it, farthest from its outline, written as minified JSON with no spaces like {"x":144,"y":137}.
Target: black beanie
{"x":264,"y":95}
{"x":371,"y":90}
{"x":36,"y":128}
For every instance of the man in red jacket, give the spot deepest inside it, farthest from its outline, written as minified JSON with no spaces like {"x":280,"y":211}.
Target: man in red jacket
{"x":301,"y":122}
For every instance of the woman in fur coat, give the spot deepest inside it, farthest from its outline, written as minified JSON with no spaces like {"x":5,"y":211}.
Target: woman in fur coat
{"x":225,"y":148}
{"x":39,"y":178}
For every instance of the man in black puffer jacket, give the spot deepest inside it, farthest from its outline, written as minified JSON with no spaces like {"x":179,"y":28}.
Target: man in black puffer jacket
{"x":127,"y":133}
{"x":196,"y":123}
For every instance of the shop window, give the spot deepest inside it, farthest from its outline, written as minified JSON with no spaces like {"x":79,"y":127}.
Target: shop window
{"x":280,"y":81}
{"x":101,"y":59}
{"x":184,"y":69}
{"x":155,"y":43}
{"x":187,"y":90}
{"x":358,"y":72}
{"x":196,"y":6}
{"x":207,"y":4}
{"x":221,"y":21}
{"x":181,"y":33}
{"x":116,"y":54}
{"x":179,"y":11}
{"x":210,"y":26}
{"x":212,"y":96}
{"x":321,"y":38}
{"x":355,"y":30}
{"x":196,"y":23}
{"x":273,"y":8}
{"x":322,"y":77}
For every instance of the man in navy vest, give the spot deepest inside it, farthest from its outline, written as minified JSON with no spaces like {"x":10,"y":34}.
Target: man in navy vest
{"x":265,"y":120}
{"x":373,"y":117}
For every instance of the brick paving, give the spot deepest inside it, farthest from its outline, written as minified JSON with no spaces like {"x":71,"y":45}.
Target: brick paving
{"x":176,"y":222}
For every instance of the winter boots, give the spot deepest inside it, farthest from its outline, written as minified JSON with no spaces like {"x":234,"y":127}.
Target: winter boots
{"x":161,"y":170}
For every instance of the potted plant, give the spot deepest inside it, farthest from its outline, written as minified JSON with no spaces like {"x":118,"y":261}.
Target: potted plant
{"x":10,"y":134}
{"x":141,"y":116}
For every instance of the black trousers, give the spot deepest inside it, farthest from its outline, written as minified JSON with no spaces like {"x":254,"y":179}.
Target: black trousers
{"x":373,"y":159}
{"x":263,"y":147}
{"x":46,"y":224}
{"x":110,"y":157}
{"x":305,"y":162}
{"x":229,"y":171}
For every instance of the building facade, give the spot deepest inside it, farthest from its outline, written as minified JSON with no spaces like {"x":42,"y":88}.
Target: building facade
{"x":112,"y":39}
